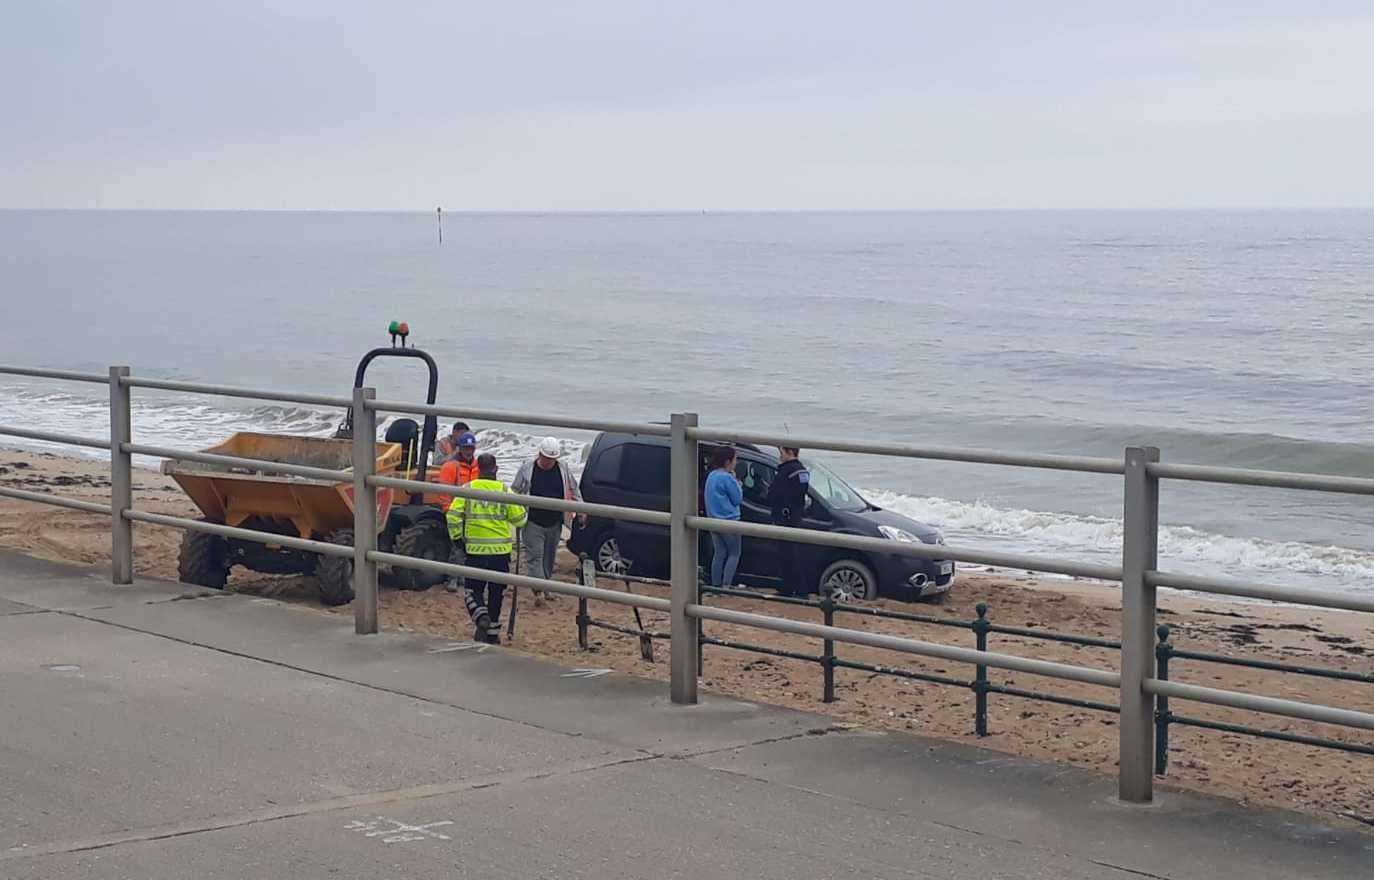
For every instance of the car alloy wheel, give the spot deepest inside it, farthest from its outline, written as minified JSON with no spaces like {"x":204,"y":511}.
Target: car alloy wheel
{"x":849,"y":581}
{"x":608,"y":558}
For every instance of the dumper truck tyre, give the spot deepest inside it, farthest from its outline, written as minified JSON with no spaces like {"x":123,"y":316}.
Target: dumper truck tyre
{"x":427,"y":539}
{"x":335,"y":573}
{"x":203,"y":560}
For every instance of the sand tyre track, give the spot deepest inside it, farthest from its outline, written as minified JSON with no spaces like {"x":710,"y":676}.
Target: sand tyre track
{"x":427,"y":539}
{"x":203,"y":559}
{"x":335,"y":573}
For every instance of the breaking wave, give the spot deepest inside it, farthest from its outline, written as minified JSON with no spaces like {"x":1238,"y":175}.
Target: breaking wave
{"x":189,"y":425}
{"x":1098,"y":539}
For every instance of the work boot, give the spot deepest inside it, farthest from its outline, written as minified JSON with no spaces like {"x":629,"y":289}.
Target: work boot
{"x":481,"y":626}
{"x":494,"y":633}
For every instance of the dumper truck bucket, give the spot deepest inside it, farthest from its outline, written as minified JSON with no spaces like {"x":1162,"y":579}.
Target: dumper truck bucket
{"x":315,"y":508}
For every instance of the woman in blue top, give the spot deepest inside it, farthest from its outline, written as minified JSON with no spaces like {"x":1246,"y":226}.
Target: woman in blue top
{"x":723,"y":497}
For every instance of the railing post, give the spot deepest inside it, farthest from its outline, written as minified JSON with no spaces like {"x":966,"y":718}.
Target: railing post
{"x":981,"y":626}
{"x":585,"y":570}
{"x":701,"y":634}
{"x":1163,"y":651}
{"x":828,"y":650}
{"x":1139,"y":552}
{"x":364,"y":512}
{"x":682,"y":546}
{"x":121,"y":480}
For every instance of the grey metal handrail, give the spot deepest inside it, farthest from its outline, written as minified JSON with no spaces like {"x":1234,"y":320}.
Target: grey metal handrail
{"x":908,"y":646}
{"x":1254,"y":703}
{"x":324,"y":548}
{"x":55,"y":500}
{"x":1138,"y":574}
{"x":1272,"y":479}
{"x":235,"y":461}
{"x":234,"y":391}
{"x":634,"y":600}
{"x":54,"y":437}
{"x":609,"y":511}
{"x":520,"y":418}
{"x":1082,"y":463}
{"x":64,"y":375}
{"x":904,"y":548}
{"x":1269,"y":592}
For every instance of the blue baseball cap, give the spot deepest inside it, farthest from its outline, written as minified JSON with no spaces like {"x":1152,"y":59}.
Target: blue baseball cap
{"x":467,"y":438}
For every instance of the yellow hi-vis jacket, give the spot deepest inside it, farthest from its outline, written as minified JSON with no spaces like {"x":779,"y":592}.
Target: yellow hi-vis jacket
{"x":487,"y":528}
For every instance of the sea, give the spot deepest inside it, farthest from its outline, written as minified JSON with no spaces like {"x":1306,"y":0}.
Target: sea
{"x":1229,"y":338}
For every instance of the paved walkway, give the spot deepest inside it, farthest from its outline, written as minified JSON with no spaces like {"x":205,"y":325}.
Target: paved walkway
{"x":157,"y":732}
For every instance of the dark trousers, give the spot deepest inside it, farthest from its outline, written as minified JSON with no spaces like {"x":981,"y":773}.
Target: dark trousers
{"x":484,"y":598}
{"x":794,"y":567}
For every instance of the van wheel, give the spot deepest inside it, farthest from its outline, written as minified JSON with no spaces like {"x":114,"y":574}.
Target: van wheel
{"x":608,"y":556}
{"x":849,"y":580}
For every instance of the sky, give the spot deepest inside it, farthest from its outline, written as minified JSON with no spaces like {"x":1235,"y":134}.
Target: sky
{"x":624,"y":105}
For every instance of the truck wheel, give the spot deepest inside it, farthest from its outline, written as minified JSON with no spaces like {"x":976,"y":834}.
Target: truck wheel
{"x":335,"y":573}
{"x":203,"y":560}
{"x":427,"y":539}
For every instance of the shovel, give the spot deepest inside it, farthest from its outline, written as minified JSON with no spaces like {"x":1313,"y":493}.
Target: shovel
{"x":515,"y":591}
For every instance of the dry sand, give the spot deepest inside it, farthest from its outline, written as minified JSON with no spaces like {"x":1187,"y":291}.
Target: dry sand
{"x":1335,"y":785}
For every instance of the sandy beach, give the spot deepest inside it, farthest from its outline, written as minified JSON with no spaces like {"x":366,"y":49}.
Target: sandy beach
{"x":1332,"y":784}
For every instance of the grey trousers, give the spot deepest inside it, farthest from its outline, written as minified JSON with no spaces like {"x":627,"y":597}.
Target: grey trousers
{"x":541,"y":548}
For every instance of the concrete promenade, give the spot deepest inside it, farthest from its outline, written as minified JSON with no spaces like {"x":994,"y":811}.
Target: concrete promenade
{"x":157,"y":731}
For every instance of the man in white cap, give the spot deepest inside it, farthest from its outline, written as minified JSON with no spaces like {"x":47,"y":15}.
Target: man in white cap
{"x":547,"y":476}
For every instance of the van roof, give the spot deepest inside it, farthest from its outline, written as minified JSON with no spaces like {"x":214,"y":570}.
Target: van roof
{"x":609,"y":437}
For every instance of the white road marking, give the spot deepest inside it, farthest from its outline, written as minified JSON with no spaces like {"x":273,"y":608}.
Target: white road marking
{"x":396,"y":831}
{"x":459,"y":646}
{"x":585,"y":673}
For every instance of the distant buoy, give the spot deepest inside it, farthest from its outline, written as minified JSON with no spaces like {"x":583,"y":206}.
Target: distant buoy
{"x":439,"y":214}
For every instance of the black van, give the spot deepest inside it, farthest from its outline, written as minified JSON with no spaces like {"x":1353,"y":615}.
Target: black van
{"x":632,"y":470}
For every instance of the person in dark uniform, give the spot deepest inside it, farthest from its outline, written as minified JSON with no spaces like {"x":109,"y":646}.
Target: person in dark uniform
{"x":787,"y":498}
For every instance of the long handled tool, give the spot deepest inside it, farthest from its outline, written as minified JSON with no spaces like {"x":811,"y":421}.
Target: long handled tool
{"x":646,"y":643}
{"x":515,"y":591}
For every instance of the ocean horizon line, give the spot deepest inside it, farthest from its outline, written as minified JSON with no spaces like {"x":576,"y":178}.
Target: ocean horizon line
{"x":697,"y":212}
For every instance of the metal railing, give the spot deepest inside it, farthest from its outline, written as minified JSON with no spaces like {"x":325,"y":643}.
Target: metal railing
{"x":1166,"y":652}
{"x":1140,"y":685}
{"x":981,"y":627}
{"x":829,"y":661}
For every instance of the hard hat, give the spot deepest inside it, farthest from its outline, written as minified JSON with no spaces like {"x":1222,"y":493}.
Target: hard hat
{"x":467,"y":438}
{"x":549,"y":447}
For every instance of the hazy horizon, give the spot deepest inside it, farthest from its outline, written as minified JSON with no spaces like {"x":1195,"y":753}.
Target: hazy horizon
{"x":668,"y":212}
{"x":622,"y":106}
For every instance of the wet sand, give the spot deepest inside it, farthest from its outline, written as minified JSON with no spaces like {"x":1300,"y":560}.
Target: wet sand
{"x":1335,"y":785}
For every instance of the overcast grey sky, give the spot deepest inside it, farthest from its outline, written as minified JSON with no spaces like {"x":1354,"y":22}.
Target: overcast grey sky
{"x":562,"y":105}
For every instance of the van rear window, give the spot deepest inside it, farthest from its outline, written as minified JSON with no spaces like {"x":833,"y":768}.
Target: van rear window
{"x":645,"y":469}
{"x":605,"y":471}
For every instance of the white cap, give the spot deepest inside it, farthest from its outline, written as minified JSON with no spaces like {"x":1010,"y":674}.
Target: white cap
{"x":549,"y":447}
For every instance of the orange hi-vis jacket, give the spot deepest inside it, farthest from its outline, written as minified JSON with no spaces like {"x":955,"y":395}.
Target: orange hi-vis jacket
{"x":456,"y":472}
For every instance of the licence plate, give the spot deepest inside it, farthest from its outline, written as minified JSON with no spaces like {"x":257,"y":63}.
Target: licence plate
{"x":946,"y":568}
